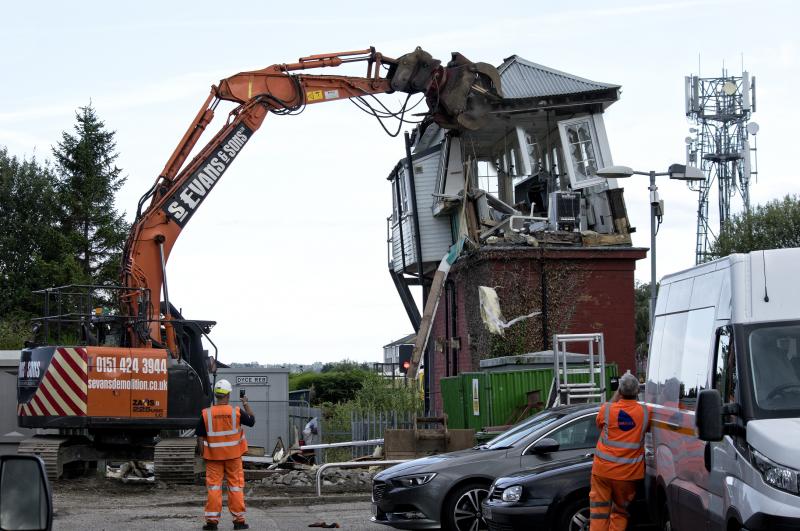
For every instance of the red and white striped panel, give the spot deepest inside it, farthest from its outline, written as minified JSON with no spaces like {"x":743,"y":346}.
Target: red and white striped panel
{"x":62,"y":390}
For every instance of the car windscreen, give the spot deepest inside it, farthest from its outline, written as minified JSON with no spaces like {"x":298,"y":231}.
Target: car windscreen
{"x":520,"y":431}
{"x":774,"y":352}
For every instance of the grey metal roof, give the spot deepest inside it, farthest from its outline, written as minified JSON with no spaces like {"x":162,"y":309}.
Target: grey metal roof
{"x":521,"y":78}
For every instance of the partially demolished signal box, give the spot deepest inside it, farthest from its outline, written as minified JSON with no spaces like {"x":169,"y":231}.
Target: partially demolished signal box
{"x":521,"y":203}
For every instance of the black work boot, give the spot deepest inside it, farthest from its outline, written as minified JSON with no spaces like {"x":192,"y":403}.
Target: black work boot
{"x":240,"y":525}
{"x":210,"y":526}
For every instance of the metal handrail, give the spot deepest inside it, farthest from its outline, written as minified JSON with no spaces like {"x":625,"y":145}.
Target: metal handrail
{"x":323,"y":446}
{"x":353,"y":464}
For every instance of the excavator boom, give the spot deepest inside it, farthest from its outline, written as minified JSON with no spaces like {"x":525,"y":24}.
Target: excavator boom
{"x":458,"y":95}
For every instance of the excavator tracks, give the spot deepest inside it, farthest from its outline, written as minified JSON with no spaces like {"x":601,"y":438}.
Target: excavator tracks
{"x":50,"y":449}
{"x":174,"y":460}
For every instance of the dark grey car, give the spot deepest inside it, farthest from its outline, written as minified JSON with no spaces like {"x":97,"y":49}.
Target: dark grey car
{"x":447,"y":490}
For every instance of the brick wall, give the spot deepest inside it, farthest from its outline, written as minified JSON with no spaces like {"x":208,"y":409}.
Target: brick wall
{"x":578,"y":290}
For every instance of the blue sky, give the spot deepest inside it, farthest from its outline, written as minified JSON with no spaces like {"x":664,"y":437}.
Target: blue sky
{"x":289,"y":252}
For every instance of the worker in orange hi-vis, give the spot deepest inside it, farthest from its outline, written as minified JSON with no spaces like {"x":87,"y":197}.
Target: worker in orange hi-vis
{"x":221,"y":436}
{"x":619,"y":457}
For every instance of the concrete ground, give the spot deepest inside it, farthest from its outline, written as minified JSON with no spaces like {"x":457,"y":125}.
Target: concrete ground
{"x":106,"y":505}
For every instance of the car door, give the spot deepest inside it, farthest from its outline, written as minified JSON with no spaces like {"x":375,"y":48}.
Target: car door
{"x":576,"y":437}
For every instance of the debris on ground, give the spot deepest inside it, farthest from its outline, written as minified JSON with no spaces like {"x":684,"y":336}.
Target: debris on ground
{"x":348,"y":479}
{"x":132,"y":471}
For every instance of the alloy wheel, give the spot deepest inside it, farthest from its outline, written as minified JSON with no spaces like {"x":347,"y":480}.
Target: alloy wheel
{"x":580,"y":520}
{"x":468,"y":514}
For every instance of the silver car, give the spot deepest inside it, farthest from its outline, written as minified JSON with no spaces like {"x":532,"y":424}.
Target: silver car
{"x":448,"y":490}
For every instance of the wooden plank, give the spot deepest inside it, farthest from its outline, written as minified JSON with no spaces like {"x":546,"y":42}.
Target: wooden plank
{"x":424,"y":332}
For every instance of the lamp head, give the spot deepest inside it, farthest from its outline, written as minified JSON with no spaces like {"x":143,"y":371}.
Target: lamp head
{"x":614,"y":172}
{"x":682,"y":172}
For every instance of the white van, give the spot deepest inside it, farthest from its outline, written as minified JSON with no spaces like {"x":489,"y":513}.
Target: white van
{"x":724,"y":382}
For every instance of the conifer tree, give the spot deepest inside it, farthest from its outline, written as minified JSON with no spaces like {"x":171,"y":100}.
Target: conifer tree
{"x":88,"y":180}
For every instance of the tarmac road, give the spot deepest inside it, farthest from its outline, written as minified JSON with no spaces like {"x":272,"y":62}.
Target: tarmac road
{"x":347,"y":515}
{"x":104,"y":506}
{"x":288,"y":518}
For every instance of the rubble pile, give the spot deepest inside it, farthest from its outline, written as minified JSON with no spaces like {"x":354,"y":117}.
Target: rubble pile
{"x":344,"y":478}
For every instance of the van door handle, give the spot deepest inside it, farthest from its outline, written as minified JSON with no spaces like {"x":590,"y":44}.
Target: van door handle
{"x":590,"y":454}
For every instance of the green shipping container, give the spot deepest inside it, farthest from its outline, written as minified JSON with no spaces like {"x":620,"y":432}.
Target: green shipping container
{"x":480,"y":399}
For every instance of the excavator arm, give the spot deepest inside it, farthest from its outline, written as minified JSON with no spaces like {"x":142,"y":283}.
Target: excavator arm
{"x":458,"y":96}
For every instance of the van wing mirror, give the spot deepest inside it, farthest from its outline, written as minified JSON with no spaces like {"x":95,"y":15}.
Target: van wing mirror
{"x":25,"y":498}
{"x":708,"y":415}
{"x":545,"y":446}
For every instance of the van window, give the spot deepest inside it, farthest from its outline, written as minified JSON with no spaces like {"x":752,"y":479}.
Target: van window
{"x":653,"y":360}
{"x":725,"y":367}
{"x":775,"y":362}
{"x":669,"y":369}
{"x":694,"y":361}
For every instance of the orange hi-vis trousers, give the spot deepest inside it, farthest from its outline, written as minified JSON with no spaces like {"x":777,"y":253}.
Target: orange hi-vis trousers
{"x":232,"y":470}
{"x":608,"y":503}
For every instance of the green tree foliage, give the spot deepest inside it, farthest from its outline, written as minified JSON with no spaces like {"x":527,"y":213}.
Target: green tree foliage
{"x":641,"y":309}
{"x":333,"y":387}
{"x":34,"y":253}
{"x":345,"y":366}
{"x":13,"y":334}
{"x":775,"y":225}
{"x":88,"y":178}
{"x":378,"y":395}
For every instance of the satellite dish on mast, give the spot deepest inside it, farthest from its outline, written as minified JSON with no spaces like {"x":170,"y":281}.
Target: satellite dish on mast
{"x":752,"y":128}
{"x":729,"y":88}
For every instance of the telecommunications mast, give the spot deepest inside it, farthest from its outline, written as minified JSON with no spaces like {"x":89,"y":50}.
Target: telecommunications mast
{"x":720,"y":109}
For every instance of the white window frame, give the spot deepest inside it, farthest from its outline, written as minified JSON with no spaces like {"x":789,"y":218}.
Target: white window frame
{"x":599,"y":142}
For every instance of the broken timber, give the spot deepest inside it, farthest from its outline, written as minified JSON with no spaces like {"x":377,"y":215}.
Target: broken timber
{"x":424,"y":332}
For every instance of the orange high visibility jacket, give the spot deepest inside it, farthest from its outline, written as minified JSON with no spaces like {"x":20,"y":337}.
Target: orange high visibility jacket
{"x":620,"y":448}
{"x":224,"y":434}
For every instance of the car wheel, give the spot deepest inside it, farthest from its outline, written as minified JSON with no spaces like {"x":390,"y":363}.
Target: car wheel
{"x":462,"y":509}
{"x":574,"y":516}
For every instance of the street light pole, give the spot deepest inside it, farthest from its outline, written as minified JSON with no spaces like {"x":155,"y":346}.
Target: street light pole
{"x":653,"y":203}
{"x":678,"y":172}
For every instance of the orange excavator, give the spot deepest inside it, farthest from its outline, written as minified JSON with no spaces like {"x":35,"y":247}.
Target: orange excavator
{"x":124,"y":382}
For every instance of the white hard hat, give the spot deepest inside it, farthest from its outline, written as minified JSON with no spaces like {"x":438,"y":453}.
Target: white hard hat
{"x":223,"y":387}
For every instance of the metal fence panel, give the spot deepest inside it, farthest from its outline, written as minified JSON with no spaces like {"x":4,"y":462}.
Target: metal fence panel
{"x":369,"y":425}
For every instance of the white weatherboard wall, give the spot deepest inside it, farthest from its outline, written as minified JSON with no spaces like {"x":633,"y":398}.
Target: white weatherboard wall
{"x":268,"y":393}
{"x":435,"y":233}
